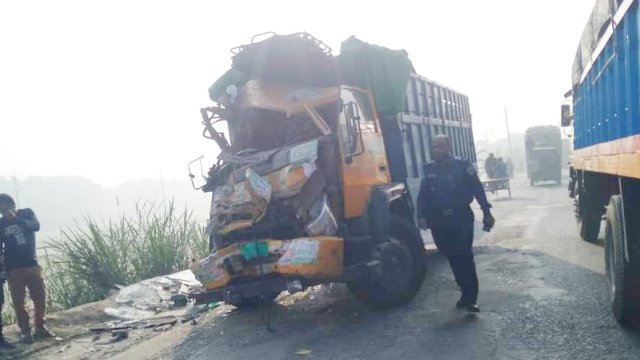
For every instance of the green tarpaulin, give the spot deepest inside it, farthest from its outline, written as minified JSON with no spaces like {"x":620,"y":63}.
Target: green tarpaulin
{"x":231,"y":77}
{"x":382,"y":71}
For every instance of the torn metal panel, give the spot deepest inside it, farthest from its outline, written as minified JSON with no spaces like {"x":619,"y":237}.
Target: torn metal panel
{"x":285,"y":99}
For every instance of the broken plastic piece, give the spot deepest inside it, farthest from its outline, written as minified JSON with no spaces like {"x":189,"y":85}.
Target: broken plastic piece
{"x":304,"y":352}
{"x":323,"y":222}
{"x":213,"y":305}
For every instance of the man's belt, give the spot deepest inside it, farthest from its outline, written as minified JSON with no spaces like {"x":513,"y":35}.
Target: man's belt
{"x":447,"y":212}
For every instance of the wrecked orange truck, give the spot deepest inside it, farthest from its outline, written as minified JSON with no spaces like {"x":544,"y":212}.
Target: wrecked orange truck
{"x":319,"y":170}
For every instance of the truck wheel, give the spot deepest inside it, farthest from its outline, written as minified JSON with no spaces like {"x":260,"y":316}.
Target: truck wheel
{"x":623,"y":276}
{"x":401,"y":273}
{"x":587,"y":218}
{"x":265,"y":300}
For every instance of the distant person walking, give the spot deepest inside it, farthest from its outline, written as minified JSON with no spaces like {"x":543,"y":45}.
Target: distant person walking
{"x":501,"y":169}
{"x":510,"y":167}
{"x":17,"y":235}
{"x":491,"y":166}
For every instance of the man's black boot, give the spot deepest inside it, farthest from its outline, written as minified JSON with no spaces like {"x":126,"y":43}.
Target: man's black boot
{"x":461,"y":304}
{"x":473,"y":308}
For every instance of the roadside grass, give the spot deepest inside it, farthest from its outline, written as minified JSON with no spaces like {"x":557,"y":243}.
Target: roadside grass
{"x":88,"y":262}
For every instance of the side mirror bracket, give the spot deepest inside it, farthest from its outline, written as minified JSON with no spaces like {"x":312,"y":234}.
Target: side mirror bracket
{"x":566,"y":116}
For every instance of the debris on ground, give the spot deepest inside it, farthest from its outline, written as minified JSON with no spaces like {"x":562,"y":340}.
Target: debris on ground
{"x":128,"y":313}
{"x":146,"y":298}
{"x":213,"y":305}
{"x":135,"y":324}
{"x":119,"y":335}
{"x":163,"y":327}
{"x":179,"y":300}
{"x":194,"y":311}
{"x":156,"y":293}
{"x":304,"y":352}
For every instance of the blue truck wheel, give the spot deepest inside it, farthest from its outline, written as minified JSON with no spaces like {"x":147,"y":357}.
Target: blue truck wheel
{"x":623,"y":276}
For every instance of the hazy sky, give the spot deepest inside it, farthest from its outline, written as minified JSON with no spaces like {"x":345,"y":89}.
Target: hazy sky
{"x":111,"y":90}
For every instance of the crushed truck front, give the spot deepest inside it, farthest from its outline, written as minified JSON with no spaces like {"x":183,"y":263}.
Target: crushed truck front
{"x":275,"y":191}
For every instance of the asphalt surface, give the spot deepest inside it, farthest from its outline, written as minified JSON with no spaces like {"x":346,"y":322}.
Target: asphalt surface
{"x":543,"y":295}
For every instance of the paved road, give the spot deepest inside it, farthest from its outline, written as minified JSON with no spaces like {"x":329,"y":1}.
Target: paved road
{"x":543,"y":296}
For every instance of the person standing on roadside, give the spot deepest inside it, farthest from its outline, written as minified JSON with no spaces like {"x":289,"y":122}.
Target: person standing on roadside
{"x":17,"y":235}
{"x":4,"y":344}
{"x":448,"y":188}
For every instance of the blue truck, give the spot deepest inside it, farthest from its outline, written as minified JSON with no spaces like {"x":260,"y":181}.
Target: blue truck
{"x":605,"y":166}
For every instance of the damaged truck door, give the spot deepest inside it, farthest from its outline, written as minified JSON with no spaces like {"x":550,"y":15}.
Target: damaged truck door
{"x":351,"y":131}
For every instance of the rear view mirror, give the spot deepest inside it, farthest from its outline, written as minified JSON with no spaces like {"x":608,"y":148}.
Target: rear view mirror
{"x":352,"y":115}
{"x":566,"y":115}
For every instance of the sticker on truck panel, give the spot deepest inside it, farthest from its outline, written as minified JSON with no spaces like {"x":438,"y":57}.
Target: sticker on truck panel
{"x":307,"y":151}
{"x":260,"y":186}
{"x":300,"y":251}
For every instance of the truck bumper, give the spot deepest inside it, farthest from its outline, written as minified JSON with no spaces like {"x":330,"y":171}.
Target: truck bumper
{"x":254,"y":267}
{"x":255,"y":287}
{"x":252,"y":289}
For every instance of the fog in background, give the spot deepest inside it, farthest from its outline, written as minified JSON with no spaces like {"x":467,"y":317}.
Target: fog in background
{"x":95,"y":95}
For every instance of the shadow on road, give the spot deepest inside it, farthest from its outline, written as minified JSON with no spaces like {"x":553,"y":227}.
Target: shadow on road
{"x":532,"y":304}
{"x":549,"y":185}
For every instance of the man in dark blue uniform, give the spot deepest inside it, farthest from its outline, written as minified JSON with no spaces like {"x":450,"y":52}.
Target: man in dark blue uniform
{"x":447,"y":190}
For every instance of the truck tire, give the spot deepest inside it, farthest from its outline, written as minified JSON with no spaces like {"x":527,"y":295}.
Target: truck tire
{"x":623,"y":276}
{"x":401,"y":273}
{"x":587,"y":218}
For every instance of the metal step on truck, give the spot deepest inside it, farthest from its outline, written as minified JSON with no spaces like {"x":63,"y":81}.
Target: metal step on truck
{"x":319,"y":170}
{"x":605,"y":166}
